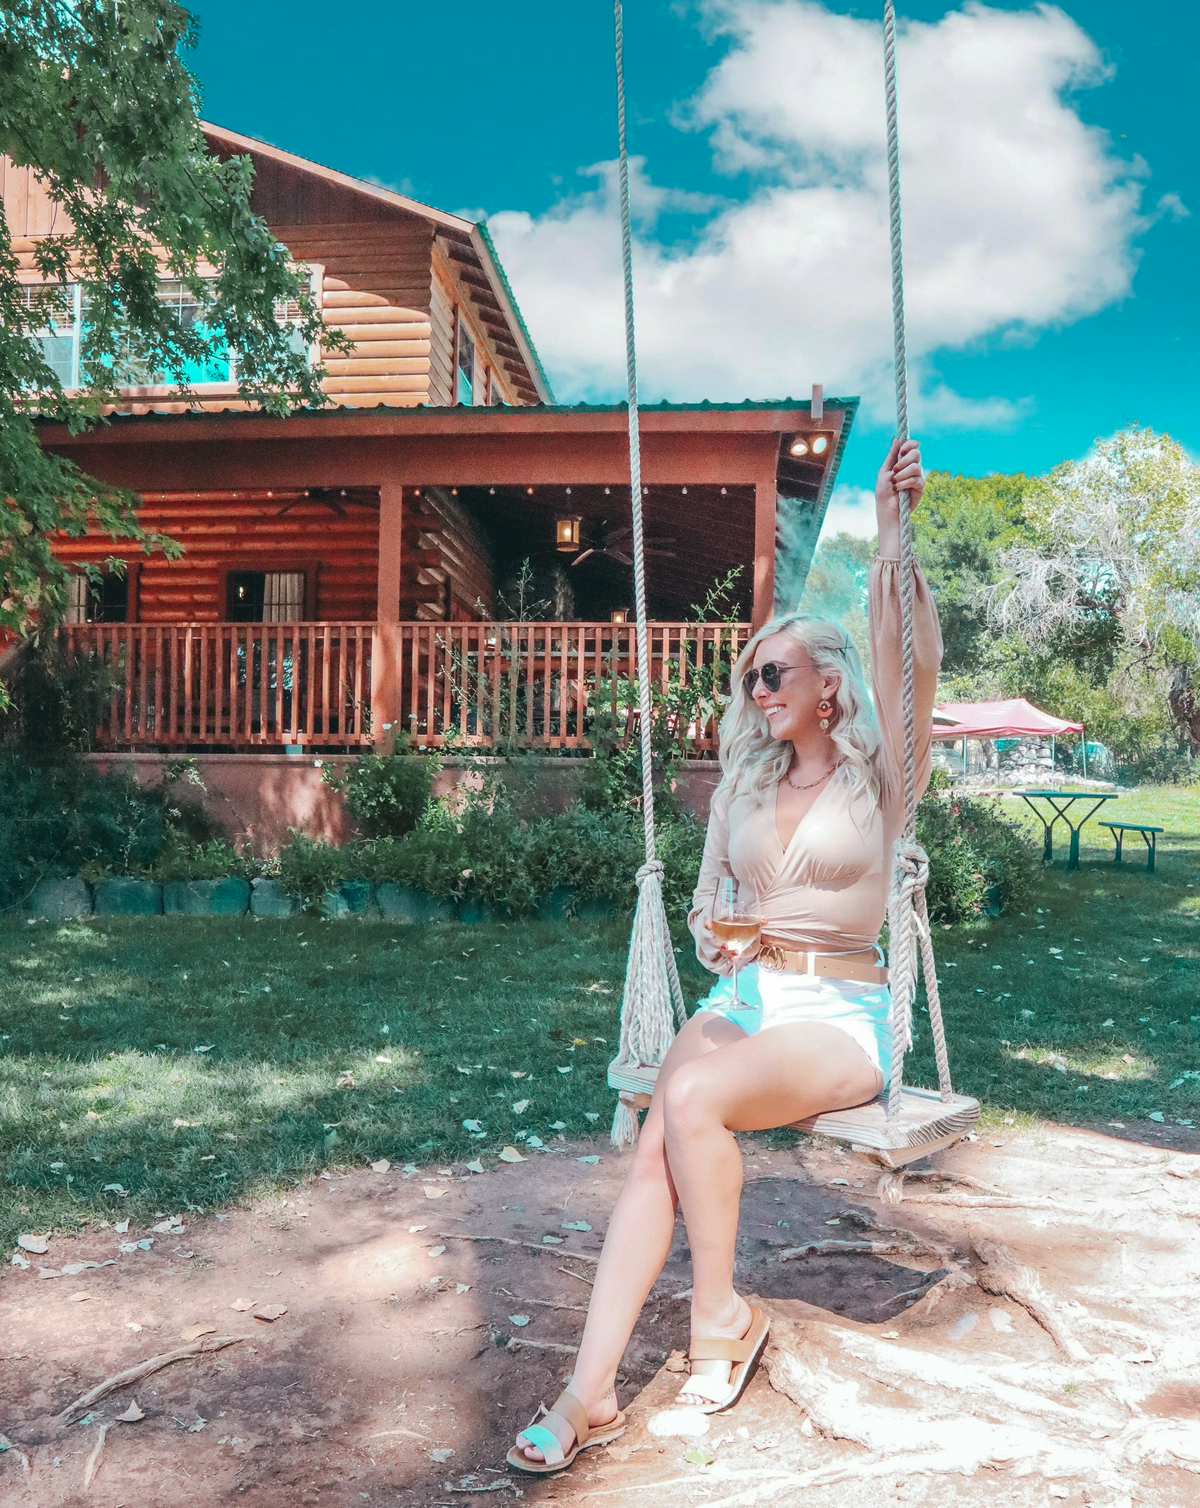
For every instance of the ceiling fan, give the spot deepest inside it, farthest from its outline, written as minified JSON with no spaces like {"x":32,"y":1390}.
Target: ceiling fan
{"x":616,"y":543}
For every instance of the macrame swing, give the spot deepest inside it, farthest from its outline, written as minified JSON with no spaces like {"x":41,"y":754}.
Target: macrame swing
{"x":903,"y":1123}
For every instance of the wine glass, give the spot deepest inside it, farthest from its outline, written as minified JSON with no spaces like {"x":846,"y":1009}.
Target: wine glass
{"x":735,"y":928}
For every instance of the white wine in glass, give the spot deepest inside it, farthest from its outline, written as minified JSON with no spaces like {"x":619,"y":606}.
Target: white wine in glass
{"x":735,"y":929}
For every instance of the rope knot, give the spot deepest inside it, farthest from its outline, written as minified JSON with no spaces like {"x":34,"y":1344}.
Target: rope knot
{"x":912,"y":864}
{"x":652,"y":866}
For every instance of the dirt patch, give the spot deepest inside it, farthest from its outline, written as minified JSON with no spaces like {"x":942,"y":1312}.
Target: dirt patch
{"x":1024,"y":1330}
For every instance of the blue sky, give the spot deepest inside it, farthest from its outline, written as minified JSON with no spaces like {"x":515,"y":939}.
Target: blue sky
{"x":1052,"y":221}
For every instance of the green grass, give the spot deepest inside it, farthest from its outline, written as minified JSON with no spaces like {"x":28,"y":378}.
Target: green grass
{"x":101,"y":1081}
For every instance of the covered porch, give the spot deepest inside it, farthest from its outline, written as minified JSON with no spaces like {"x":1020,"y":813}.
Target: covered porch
{"x":461,"y":576}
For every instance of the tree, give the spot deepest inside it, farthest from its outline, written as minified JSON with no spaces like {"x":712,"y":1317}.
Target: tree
{"x":95,"y":99}
{"x":959,"y":532}
{"x":1117,"y":554}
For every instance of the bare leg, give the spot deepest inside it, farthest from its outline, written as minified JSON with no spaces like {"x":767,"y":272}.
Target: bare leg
{"x":637,"y":1242}
{"x":770,"y":1079}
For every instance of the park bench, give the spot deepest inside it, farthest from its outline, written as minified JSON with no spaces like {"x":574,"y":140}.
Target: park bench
{"x":1149,"y":836}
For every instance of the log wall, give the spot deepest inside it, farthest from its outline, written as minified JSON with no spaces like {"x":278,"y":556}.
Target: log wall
{"x":384,"y":283}
{"x":221,"y":532}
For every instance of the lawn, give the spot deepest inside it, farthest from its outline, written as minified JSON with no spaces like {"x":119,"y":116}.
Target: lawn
{"x":152,"y":1067}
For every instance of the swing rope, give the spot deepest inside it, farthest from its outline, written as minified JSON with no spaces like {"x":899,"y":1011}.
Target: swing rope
{"x":908,"y":914}
{"x":652,"y":1008}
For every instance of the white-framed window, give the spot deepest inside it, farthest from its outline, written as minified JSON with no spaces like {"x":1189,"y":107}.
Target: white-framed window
{"x":467,"y":388}
{"x":60,"y":337}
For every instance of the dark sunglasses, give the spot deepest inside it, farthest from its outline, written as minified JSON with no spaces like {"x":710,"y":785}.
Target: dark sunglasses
{"x":771,"y":674}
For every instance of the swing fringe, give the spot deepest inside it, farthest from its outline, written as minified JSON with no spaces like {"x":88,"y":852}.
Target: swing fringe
{"x":652,"y":1008}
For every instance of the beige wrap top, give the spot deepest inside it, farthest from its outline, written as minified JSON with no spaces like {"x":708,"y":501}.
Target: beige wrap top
{"x":828,"y":888}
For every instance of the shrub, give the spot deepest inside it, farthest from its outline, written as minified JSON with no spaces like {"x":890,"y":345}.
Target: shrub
{"x":431,"y":860}
{"x":63,"y":816}
{"x":497,"y":867}
{"x":971,"y":847}
{"x":58,"y":698}
{"x":308,"y":870}
{"x":216,"y":859}
{"x":387,"y":795}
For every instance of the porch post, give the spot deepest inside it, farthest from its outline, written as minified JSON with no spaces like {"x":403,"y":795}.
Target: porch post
{"x":385,"y":641}
{"x":765,"y":504}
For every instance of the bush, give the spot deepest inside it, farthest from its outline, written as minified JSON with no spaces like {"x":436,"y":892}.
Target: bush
{"x":431,"y":860}
{"x":387,"y":795}
{"x":57,"y":698}
{"x":971,"y":847}
{"x":217,"y":859}
{"x":308,"y":870}
{"x":65,"y":817}
{"x":497,"y":854}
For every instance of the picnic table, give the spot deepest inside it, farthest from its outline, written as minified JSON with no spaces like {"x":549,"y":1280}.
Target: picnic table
{"x":1055,"y":800}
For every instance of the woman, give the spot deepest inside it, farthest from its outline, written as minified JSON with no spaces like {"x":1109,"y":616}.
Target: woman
{"x":809,"y":805}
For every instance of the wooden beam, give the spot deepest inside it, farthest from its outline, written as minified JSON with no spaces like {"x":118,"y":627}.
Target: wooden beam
{"x":386,"y":641}
{"x":765,"y":523}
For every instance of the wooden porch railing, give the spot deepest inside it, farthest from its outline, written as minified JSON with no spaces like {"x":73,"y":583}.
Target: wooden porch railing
{"x":256,"y":685}
{"x":235,"y":685}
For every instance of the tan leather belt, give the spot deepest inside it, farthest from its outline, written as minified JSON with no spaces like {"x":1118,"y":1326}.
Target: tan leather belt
{"x":774,"y":956}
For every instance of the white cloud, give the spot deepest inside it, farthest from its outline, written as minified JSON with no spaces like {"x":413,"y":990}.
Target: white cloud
{"x":1018,"y":215}
{"x":851,"y":510}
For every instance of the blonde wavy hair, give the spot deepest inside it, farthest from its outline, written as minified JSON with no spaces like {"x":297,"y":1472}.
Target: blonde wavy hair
{"x":752,"y":761}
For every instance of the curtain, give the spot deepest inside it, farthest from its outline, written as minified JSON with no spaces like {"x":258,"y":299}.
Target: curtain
{"x":283,"y":596}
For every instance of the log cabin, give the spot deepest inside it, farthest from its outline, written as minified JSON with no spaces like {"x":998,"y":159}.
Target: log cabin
{"x":441,"y":549}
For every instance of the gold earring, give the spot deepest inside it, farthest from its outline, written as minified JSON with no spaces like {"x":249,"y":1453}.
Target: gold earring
{"x":824,"y":708}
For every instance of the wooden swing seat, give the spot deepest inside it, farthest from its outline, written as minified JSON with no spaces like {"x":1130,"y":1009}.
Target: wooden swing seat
{"x":924,"y":1124}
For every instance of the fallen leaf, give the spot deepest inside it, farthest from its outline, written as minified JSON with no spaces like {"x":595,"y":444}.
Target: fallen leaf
{"x":194,"y":1332}
{"x":81,"y":1297}
{"x":172,"y":1226}
{"x":568,"y":1069}
{"x":474,"y":1166}
{"x":518,"y":1319}
{"x":552,"y":1240}
{"x":442,"y":1455}
{"x":519,"y":1073}
{"x":436,"y":1251}
{"x":208,"y":1047}
{"x":413,"y":1229}
{"x":591,"y":1115}
{"x":699,"y":1455}
{"x":18,"y":1260}
{"x":432,"y":1193}
{"x":38,"y":1245}
{"x":591,"y":1157}
{"x":381,"y":1166}
{"x":241,"y":1305}
{"x":506,"y":1154}
{"x":462,"y":1287}
{"x":575,"y":1225}
{"x":270,"y":1312}
{"x":131,"y":1415}
{"x":558,"y":1125}
{"x":520,"y":1106}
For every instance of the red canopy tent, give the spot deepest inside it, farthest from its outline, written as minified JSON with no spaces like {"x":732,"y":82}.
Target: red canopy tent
{"x":1015,"y":718}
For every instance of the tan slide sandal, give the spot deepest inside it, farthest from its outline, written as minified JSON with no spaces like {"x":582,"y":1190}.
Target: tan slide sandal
{"x":743,"y":1353}
{"x":569,"y":1409}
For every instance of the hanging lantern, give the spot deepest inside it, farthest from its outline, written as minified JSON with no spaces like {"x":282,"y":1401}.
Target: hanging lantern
{"x":619,"y":615}
{"x":567,"y":527}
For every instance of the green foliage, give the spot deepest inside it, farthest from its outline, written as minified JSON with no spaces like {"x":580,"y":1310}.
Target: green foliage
{"x":56,"y":698}
{"x":97,"y":100}
{"x":309,"y":869}
{"x":183,"y":858}
{"x":387,"y":795}
{"x":972,"y":847}
{"x":959,"y":530}
{"x":65,"y":817}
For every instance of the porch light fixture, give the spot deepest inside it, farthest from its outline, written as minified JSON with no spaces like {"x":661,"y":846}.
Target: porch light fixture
{"x":619,"y":615}
{"x":567,"y":527}
{"x":803,"y":445}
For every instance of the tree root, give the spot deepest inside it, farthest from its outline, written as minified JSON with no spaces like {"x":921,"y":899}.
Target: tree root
{"x":999,"y":1273}
{"x":460,"y":1235}
{"x":142,"y":1369}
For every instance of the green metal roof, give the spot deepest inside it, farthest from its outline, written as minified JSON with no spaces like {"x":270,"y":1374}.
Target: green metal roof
{"x":485,"y":236}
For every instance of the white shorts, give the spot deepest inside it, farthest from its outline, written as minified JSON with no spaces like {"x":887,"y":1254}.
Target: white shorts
{"x":773,"y":998}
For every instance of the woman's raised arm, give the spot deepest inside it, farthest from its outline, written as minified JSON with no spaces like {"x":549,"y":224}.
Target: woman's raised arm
{"x":901,"y":471}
